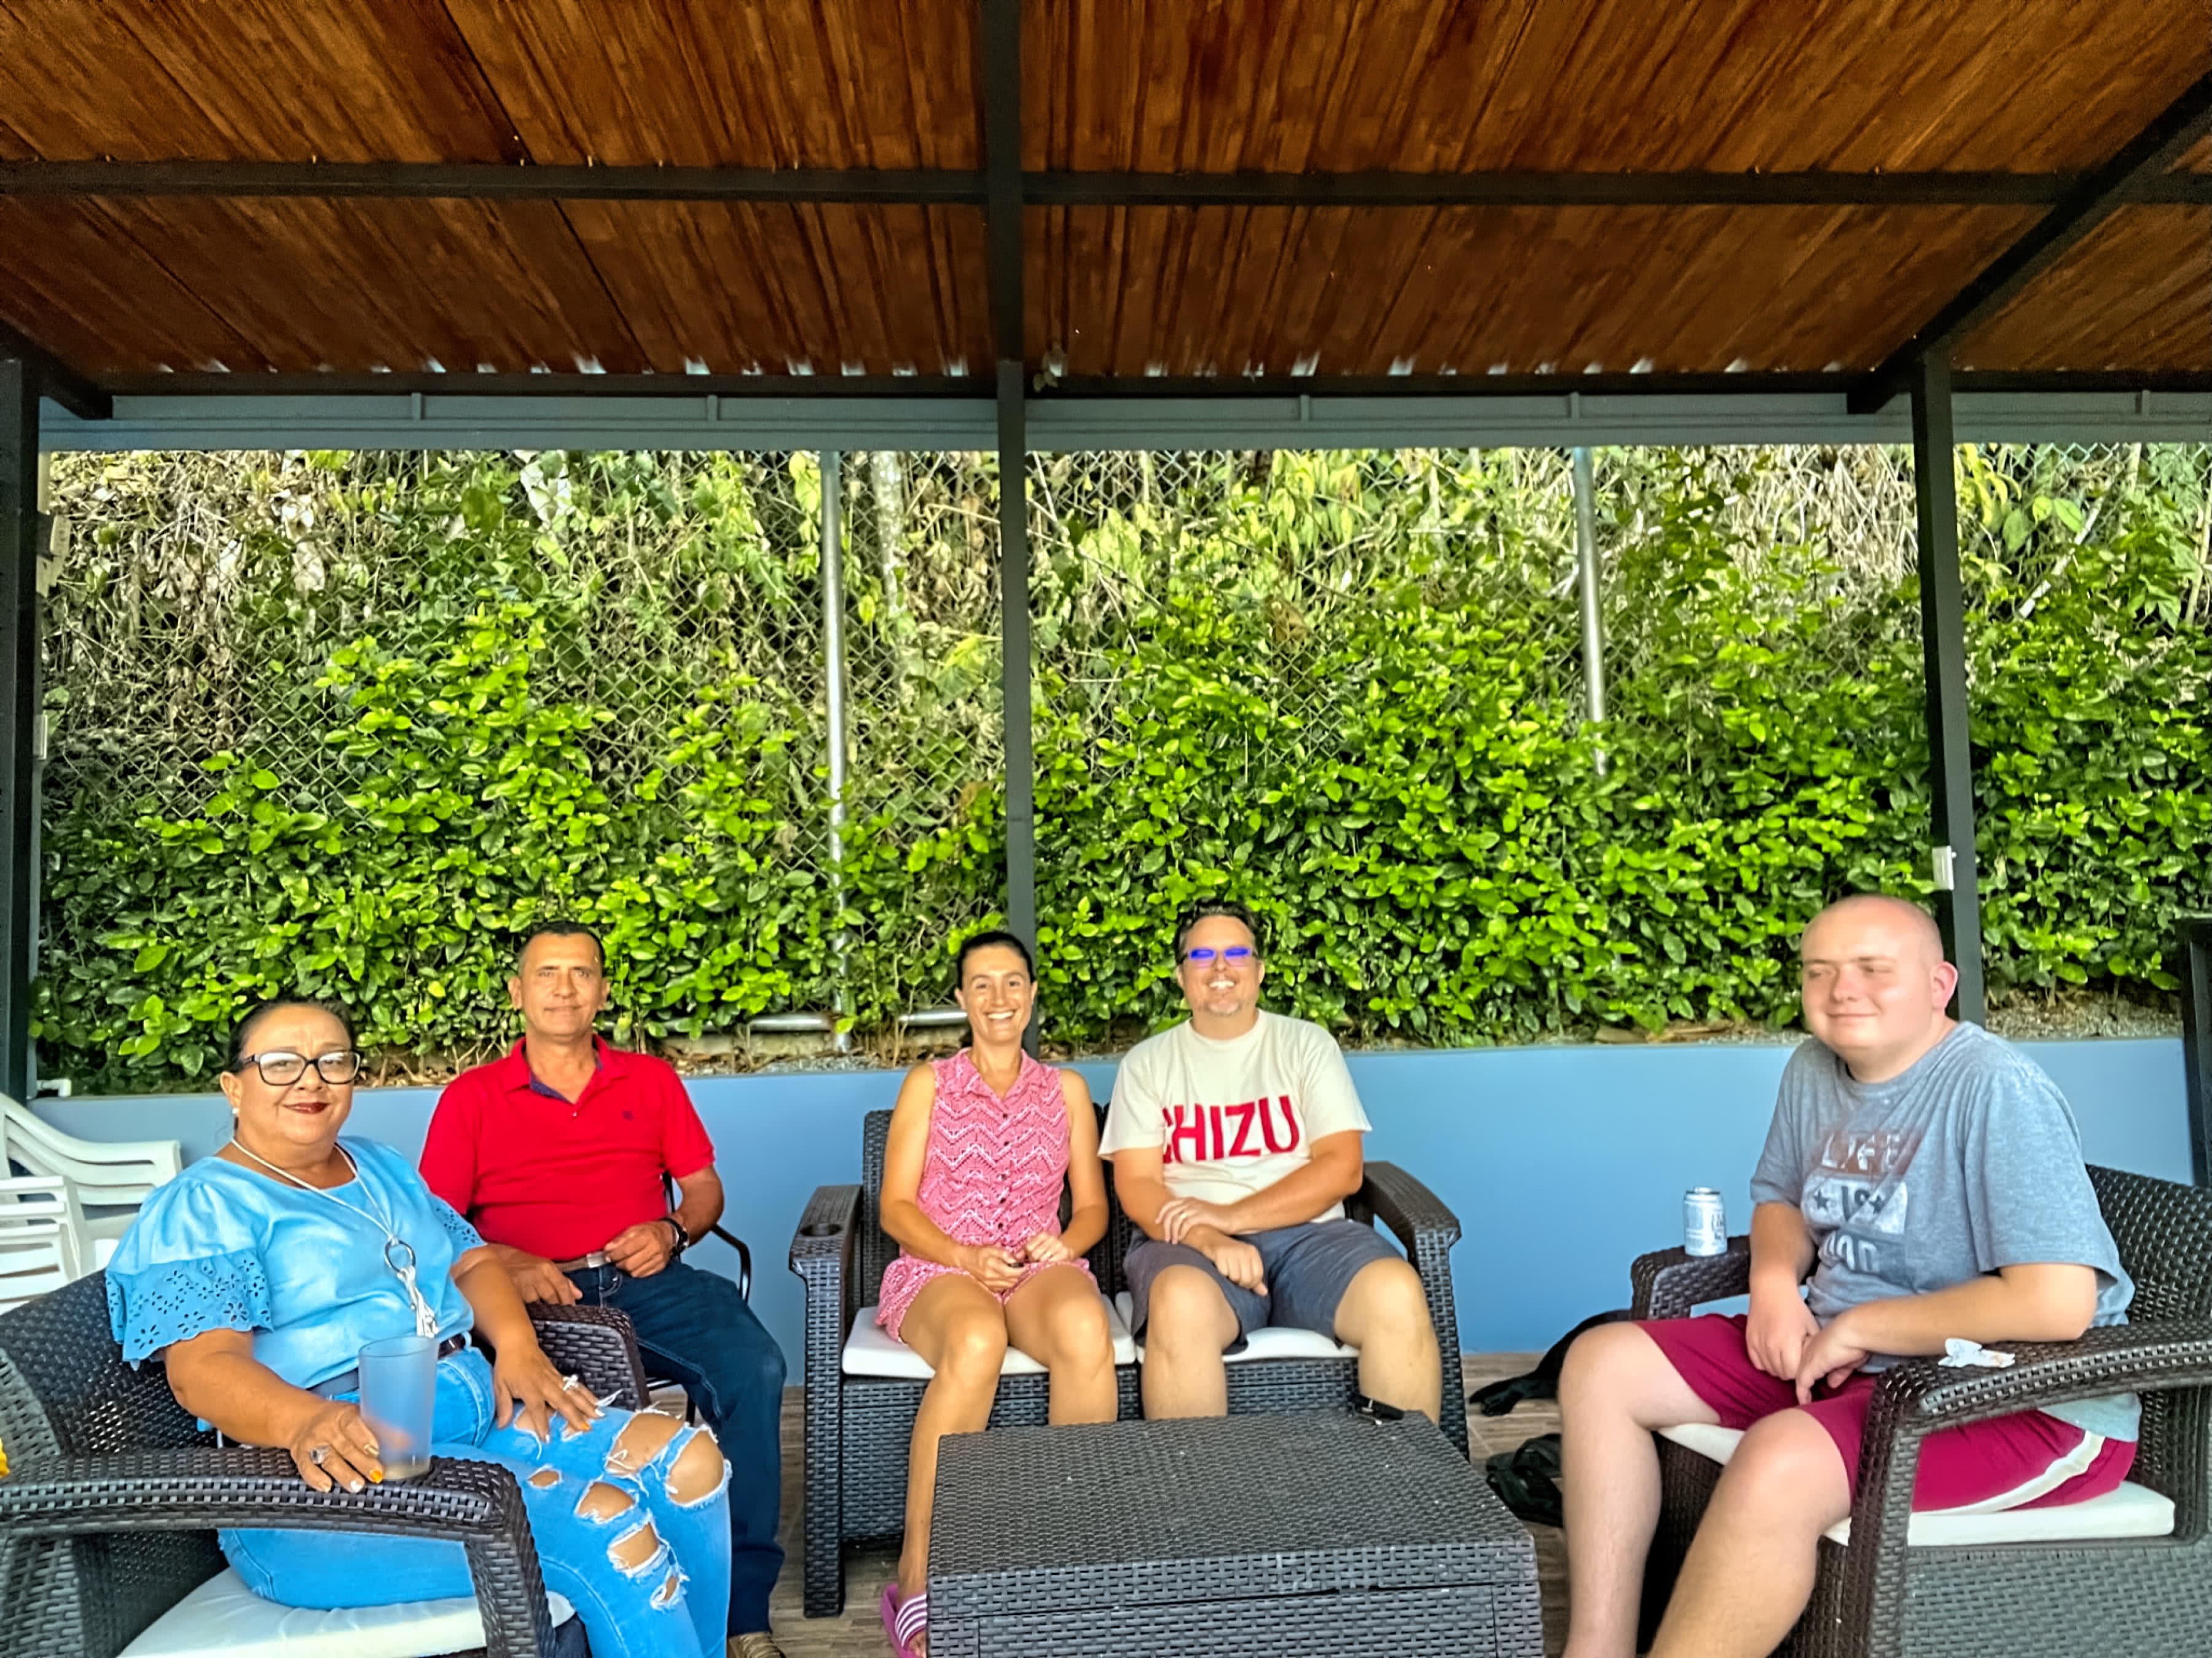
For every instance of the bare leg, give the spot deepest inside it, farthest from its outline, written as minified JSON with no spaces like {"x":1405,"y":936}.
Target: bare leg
{"x":959,"y":1327}
{"x":1385,"y":1314}
{"x":1187,"y":1327}
{"x":1617,"y":1388}
{"x":1058,"y":1319}
{"x":1750,"y":1567}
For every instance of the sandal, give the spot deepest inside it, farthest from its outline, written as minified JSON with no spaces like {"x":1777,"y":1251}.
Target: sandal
{"x":904,"y":1619}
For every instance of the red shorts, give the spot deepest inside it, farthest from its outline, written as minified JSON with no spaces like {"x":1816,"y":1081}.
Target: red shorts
{"x":1984,"y":1463}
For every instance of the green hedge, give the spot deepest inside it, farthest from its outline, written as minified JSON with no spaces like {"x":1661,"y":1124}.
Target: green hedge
{"x":1343,"y":687}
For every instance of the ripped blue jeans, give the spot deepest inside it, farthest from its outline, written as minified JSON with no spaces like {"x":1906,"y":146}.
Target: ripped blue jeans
{"x":646,"y":1570}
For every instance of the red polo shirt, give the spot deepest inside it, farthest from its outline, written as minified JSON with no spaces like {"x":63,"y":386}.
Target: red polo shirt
{"x":556,"y":1177}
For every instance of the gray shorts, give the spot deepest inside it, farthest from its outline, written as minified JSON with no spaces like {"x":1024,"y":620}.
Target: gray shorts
{"x":1307,"y":1269}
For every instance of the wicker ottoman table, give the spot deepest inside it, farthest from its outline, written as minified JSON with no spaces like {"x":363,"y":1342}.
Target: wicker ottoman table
{"x":1317,"y":1532}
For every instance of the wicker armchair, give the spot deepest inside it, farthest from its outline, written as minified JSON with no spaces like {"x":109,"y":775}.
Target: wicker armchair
{"x":108,"y":1511}
{"x":2118,"y":1597}
{"x":857,"y":1426}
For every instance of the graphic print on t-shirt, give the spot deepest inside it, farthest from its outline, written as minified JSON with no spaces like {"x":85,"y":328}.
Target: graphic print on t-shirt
{"x":1855,"y":1197}
{"x":1212,"y":1134}
{"x":1232,"y":1116}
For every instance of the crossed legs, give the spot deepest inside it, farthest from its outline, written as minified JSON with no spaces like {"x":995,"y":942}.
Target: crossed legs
{"x":1056,"y":1317}
{"x":1750,"y":1569}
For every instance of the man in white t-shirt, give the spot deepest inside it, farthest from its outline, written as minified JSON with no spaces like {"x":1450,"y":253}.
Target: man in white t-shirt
{"x":1236,"y":1137}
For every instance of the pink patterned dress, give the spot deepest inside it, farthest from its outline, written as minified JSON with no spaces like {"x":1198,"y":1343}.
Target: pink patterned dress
{"x":993,"y":1174}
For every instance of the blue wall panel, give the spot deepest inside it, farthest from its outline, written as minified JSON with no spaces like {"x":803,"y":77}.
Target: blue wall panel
{"x":1562,"y":1162}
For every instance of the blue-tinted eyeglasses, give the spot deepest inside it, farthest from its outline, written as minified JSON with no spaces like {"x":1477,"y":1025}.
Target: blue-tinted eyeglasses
{"x":1207,"y":953}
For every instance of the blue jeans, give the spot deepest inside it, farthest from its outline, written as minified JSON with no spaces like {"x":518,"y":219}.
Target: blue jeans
{"x":670,"y":1606}
{"x":695,"y":1328}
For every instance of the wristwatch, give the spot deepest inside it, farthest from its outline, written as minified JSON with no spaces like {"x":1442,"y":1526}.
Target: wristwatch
{"x":683,"y":1237}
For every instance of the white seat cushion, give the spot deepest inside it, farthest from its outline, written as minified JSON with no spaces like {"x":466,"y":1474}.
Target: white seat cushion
{"x":2133,"y":1510}
{"x":869,"y":1349}
{"x":224,"y":1616}
{"x":1269,"y":1343}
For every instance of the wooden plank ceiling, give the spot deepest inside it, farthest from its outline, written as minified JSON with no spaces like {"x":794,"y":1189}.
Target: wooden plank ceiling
{"x":123,"y":286}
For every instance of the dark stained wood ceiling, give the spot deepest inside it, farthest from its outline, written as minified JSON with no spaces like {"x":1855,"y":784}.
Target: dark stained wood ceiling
{"x":1600,"y":86}
{"x":2132,"y":297}
{"x":1505,"y":290}
{"x":120,"y":285}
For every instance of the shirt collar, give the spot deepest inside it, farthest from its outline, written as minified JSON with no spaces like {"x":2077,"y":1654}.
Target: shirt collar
{"x":516,"y":1077}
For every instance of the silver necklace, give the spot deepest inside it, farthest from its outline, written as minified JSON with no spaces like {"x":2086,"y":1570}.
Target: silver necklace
{"x":399,"y":1254}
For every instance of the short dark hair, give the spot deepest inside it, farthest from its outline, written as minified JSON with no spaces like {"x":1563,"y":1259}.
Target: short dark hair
{"x":996,"y":938}
{"x":559,"y":926}
{"x":1212,"y":907}
{"x":241,"y":1034}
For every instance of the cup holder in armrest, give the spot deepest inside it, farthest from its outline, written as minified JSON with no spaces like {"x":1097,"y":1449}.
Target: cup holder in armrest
{"x":820,"y":1228}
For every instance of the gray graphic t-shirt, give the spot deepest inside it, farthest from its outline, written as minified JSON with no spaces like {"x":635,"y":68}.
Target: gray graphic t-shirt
{"x":1968,"y":1161}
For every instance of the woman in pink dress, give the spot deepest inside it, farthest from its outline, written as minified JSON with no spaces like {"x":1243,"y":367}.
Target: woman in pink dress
{"x":981,"y":1146}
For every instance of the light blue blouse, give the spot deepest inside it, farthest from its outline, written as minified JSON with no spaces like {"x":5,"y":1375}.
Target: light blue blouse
{"x":224,"y":1246}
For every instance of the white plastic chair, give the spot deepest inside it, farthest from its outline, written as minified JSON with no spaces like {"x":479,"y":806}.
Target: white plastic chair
{"x":117,"y":1175}
{"x":43,"y":1243}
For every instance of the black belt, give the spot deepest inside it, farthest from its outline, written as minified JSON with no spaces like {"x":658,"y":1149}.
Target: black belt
{"x":348,"y":1381}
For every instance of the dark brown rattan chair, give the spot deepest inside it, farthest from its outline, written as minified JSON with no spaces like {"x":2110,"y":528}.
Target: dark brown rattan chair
{"x":857,"y":1427}
{"x":109,"y":1508}
{"x":2115,"y":1598}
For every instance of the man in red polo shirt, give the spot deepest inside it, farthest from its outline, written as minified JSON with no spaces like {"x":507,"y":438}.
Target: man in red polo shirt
{"x":560,"y":1154}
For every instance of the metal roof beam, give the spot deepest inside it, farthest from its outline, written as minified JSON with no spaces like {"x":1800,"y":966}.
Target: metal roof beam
{"x":489,"y":181}
{"x":2148,"y":157}
{"x":54,"y":378}
{"x":1548,"y":189}
{"x":554,"y":388}
{"x":1559,"y":414}
{"x":1002,"y":169}
{"x":737,"y":390}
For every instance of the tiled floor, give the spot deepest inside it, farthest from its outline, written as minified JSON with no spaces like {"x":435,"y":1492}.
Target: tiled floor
{"x":857,"y":1632}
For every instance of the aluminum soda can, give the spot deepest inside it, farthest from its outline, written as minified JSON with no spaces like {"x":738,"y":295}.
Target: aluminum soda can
{"x":1705,"y":1223}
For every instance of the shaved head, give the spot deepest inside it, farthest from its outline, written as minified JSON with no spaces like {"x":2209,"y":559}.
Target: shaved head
{"x":1874,"y":984}
{"x":1907,"y":918}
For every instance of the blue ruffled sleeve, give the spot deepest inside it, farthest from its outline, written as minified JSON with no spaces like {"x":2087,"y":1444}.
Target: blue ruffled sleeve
{"x":465,"y":1237}
{"x":191,"y":1262}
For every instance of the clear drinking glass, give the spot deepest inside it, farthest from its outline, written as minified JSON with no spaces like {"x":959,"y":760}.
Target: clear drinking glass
{"x":398,"y":1394}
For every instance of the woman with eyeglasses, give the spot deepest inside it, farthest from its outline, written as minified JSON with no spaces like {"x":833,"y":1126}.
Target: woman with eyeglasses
{"x":982,"y":1148}
{"x":260,"y":1273}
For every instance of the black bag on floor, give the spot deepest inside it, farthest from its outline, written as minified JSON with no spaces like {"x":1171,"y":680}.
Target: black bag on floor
{"x":1527,"y":1479}
{"x":1543,"y":1382}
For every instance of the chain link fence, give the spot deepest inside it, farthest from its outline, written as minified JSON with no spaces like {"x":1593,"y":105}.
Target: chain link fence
{"x":620,"y":662}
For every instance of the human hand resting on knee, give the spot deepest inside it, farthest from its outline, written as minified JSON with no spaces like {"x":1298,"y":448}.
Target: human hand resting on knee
{"x":1046,"y":1248}
{"x":1831,"y":1355}
{"x":995,"y":1268}
{"x":1778,"y":1330}
{"x":1234,"y":1259}
{"x":532,"y":1391}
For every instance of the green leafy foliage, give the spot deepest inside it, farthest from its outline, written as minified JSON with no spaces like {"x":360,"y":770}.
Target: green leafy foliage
{"x":345,"y":725}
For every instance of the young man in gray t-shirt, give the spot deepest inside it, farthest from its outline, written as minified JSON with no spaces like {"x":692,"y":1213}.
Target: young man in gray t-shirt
{"x":1930,"y":1178}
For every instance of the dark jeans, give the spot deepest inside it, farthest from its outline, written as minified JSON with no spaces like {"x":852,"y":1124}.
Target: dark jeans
{"x":695,"y":1328}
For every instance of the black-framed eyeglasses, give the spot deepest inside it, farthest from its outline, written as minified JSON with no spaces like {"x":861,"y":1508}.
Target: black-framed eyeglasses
{"x":281,"y":1070}
{"x":1239,"y":953}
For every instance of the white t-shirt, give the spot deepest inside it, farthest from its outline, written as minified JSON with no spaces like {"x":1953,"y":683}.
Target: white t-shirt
{"x":1232,"y":1118}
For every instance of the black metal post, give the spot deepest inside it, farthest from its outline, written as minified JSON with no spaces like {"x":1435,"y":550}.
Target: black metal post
{"x":1001,"y":64}
{"x":1014,"y":647}
{"x":1943,"y":652}
{"x":2193,"y":946}
{"x":19,"y":719}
